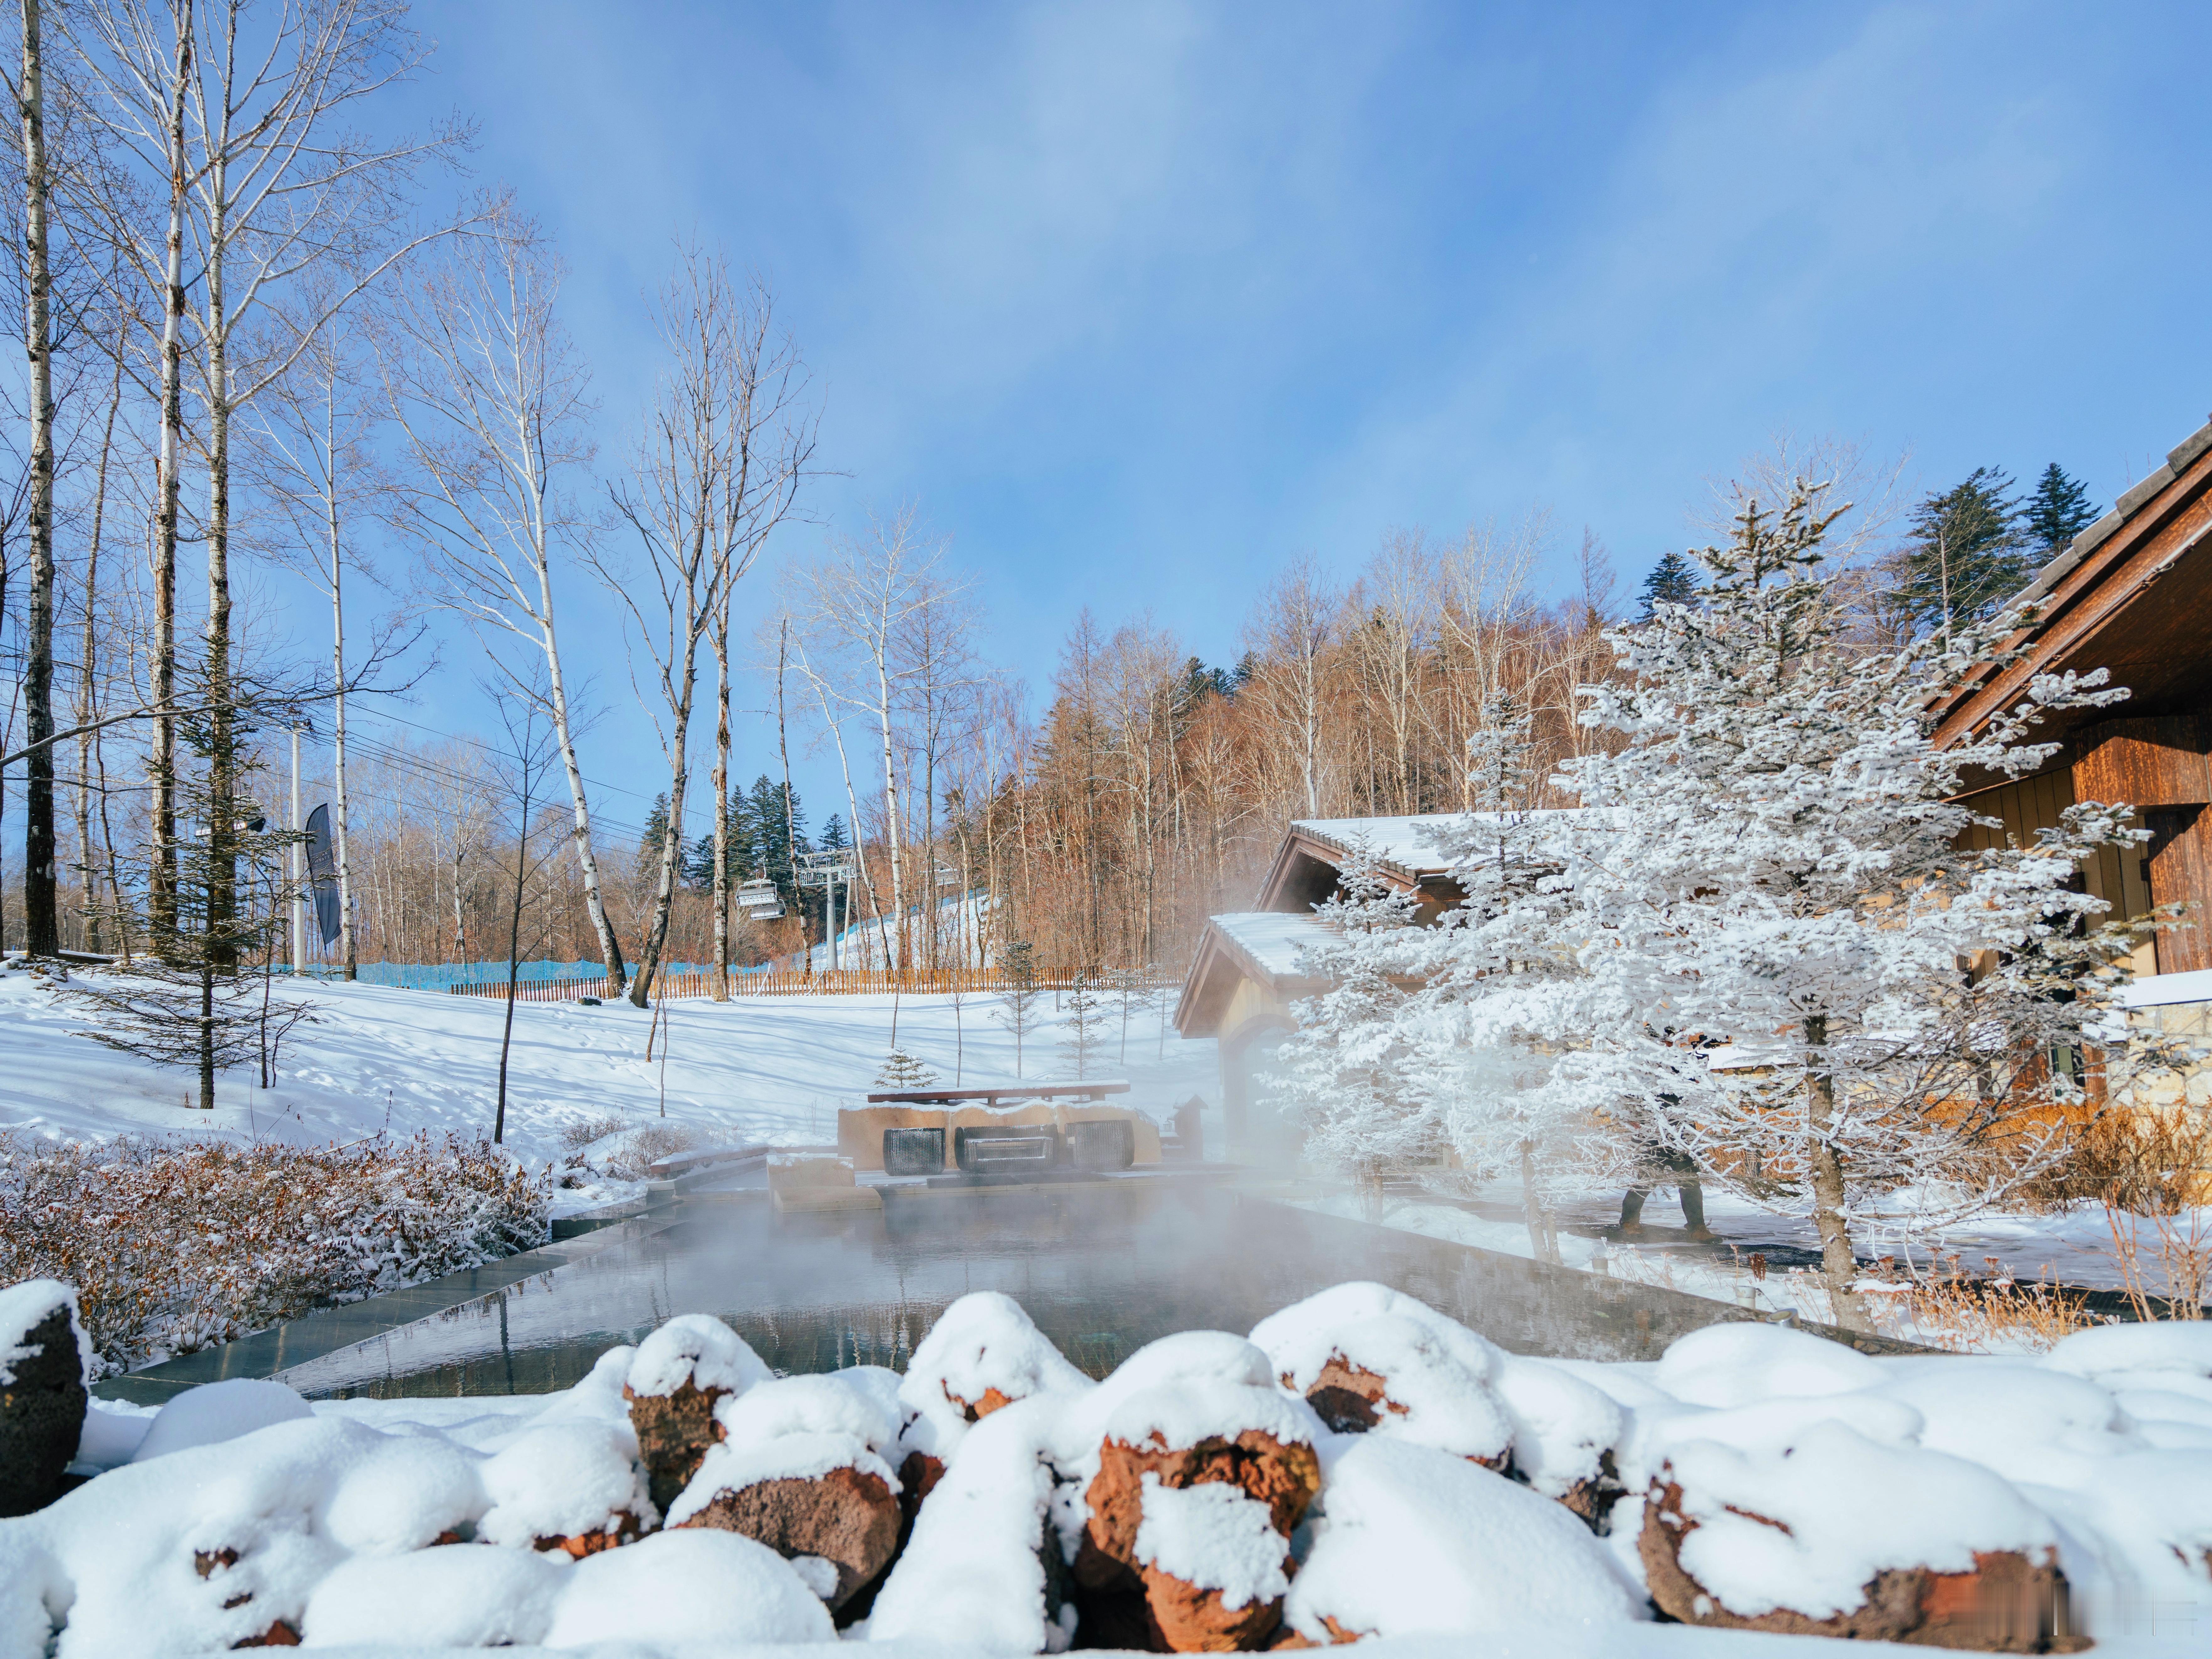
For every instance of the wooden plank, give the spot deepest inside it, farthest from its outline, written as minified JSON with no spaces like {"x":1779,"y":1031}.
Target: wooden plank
{"x":2181,"y":872}
{"x":2158,"y":762}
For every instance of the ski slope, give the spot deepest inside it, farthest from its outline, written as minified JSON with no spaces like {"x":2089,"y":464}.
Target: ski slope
{"x":377,"y":1058}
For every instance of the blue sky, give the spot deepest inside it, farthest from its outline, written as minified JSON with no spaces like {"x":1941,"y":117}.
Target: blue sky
{"x":1134,"y":302}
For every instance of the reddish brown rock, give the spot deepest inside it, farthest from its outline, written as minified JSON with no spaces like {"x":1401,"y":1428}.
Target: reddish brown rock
{"x":1124,"y":1604}
{"x":975,"y":1411}
{"x":2006,"y":1604}
{"x":1351,"y":1400}
{"x":1185,"y":1619}
{"x":279,"y":1635}
{"x":848,"y":1518}
{"x":1290,"y":1639}
{"x":918,"y":1477}
{"x":627,"y":1529}
{"x":41,"y":1416}
{"x":673,"y":1432}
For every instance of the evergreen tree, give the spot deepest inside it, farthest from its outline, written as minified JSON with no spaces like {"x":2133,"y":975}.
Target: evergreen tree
{"x":2059,"y":511}
{"x":770,"y":837}
{"x":833,"y":834}
{"x":196,"y":1003}
{"x":1017,"y":1008}
{"x":1673,"y":580}
{"x":1085,"y":1027}
{"x":646,"y":865}
{"x":1966,"y":555}
{"x":1773,"y":860}
{"x":742,"y":857}
{"x":901,"y":1071}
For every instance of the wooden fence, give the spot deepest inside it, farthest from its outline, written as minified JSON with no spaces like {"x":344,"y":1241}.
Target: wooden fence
{"x":843,"y":982}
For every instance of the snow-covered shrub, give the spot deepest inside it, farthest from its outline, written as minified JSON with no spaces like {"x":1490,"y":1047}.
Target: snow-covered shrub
{"x":173,"y":1246}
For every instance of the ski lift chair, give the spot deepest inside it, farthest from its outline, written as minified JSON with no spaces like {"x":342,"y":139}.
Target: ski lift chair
{"x":759,"y":899}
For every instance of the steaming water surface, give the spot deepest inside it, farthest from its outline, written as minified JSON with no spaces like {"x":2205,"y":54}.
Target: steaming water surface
{"x":1103,"y":1269}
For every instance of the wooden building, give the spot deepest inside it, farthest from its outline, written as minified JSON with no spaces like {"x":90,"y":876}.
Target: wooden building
{"x":2132,"y":595}
{"x":1245,"y":974}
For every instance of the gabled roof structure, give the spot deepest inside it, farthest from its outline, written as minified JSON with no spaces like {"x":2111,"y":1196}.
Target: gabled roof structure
{"x":1307,"y":864}
{"x":2132,"y":595}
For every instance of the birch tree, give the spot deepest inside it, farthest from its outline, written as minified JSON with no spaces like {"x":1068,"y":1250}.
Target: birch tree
{"x":853,"y":608}
{"x":726,"y":448}
{"x":494,"y":414}
{"x":40,"y":858}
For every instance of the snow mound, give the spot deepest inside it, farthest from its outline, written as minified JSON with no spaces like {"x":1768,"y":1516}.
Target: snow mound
{"x":805,"y":1405}
{"x":1411,"y":1541}
{"x":698,"y":1349}
{"x":1807,"y":1526}
{"x":698,"y":1585}
{"x":2183,"y":1346}
{"x":1734,"y":1364}
{"x":984,"y":1353}
{"x":973,"y":1565}
{"x":217,"y":1412}
{"x":1300,"y":1339}
{"x":1213,"y":1537}
{"x":23,"y":1309}
{"x":1563,"y":1429}
{"x":454,"y":1596}
{"x":562,"y":1479}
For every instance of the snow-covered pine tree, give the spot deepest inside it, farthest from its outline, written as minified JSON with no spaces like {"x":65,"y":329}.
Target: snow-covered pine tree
{"x":1343,"y":1076}
{"x":1083,"y":1032}
{"x":1485,"y":1029}
{"x":902,"y":1070}
{"x":1017,"y":1010}
{"x":1773,"y":864}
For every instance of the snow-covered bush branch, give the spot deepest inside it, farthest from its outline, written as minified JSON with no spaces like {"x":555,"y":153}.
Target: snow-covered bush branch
{"x":176,"y":1246}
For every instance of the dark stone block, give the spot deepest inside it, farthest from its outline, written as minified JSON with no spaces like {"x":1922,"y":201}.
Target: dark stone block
{"x":41,"y":1416}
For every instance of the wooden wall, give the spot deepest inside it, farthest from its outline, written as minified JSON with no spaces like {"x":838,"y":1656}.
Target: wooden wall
{"x":2120,"y":879}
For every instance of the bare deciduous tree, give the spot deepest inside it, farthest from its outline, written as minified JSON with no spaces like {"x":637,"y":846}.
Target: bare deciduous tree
{"x":492,"y":411}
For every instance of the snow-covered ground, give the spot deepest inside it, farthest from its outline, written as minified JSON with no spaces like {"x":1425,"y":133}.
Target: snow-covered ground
{"x":2074,"y":1249}
{"x":1398,"y":1477}
{"x":753,"y":1069}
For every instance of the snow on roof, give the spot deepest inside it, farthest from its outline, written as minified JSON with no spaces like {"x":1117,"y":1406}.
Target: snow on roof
{"x":2163,"y":990}
{"x":1271,"y":940}
{"x":1404,"y":841}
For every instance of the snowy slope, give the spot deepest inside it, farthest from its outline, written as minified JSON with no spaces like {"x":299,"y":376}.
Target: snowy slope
{"x":772,"y":1069}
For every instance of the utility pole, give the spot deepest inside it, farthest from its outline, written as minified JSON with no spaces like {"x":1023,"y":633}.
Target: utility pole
{"x":294,"y":857}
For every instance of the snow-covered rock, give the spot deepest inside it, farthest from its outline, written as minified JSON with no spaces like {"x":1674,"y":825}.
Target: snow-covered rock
{"x":1195,"y":1410}
{"x":806,"y":1491}
{"x":984,"y":1353}
{"x":1836,"y":1534}
{"x":45,"y":1368}
{"x":672,"y":1384}
{"x":983,"y":1559}
{"x":574,"y":1485}
{"x":692,"y":1586}
{"x":1412,"y":1541}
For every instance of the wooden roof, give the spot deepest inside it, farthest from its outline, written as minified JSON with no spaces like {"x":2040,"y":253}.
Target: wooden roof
{"x":2132,"y":594}
{"x":1307,"y":864}
{"x":1223,"y":961}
